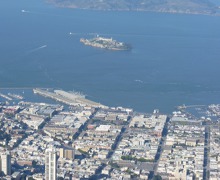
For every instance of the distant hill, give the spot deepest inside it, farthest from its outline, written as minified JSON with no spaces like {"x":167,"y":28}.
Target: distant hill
{"x":172,"y":6}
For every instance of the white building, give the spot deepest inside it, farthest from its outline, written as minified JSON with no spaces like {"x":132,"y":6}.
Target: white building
{"x":5,"y":163}
{"x":50,"y":164}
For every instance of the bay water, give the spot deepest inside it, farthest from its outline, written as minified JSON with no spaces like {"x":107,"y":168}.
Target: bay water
{"x":175,"y":58}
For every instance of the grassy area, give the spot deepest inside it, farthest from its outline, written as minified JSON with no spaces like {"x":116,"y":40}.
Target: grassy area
{"x":132,"y":158}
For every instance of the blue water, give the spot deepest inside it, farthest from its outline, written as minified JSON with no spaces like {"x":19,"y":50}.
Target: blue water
{"x":175,"y":58}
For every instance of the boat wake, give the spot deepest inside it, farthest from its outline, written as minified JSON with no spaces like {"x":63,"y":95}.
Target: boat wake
{"x":138,"y":80}
{"x":37,"y":49}
{"x":24,"y":11}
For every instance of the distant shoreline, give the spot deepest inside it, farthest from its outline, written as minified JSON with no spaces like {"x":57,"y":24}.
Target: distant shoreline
{"x":172,"y":11}
{"x":167,"y":12}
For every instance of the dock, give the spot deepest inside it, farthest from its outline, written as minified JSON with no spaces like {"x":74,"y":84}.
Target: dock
{"x":6,"y":97}
{"x":69,"y":98}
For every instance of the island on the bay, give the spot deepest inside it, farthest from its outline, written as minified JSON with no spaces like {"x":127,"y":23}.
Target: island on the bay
{"x":106,"y":43}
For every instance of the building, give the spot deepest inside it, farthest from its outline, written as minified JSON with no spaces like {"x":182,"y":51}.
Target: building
{"x":50,"y":164}
{"x":67,"y":153}
{"x":16,"y":175}
{"x":5,"y":163}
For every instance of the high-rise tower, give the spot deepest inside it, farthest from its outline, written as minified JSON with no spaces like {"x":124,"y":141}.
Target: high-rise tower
{"x":50,"y":164}
{"x":5,"y":163}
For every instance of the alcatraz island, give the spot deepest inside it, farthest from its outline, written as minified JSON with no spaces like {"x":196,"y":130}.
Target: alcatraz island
{"x":106,"y":43}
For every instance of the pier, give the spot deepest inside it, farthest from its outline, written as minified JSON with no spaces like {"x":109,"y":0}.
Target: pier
{"x":6,"y":97}
{"x":69,"y":98}
{"x":189,"y":106}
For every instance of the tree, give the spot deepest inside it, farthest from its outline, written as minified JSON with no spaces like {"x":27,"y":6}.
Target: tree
{"x":30,"y":178}
{"x":157,"y":177}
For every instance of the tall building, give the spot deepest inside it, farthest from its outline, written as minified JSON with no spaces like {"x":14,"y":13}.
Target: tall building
{"x":51,"y":164}
{"x":5,"y":163}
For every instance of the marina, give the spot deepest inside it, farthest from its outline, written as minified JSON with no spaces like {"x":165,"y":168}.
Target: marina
{"x":16,"y":96}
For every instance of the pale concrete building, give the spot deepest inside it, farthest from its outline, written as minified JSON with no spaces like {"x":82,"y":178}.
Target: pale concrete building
{"x":51,"y":164}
